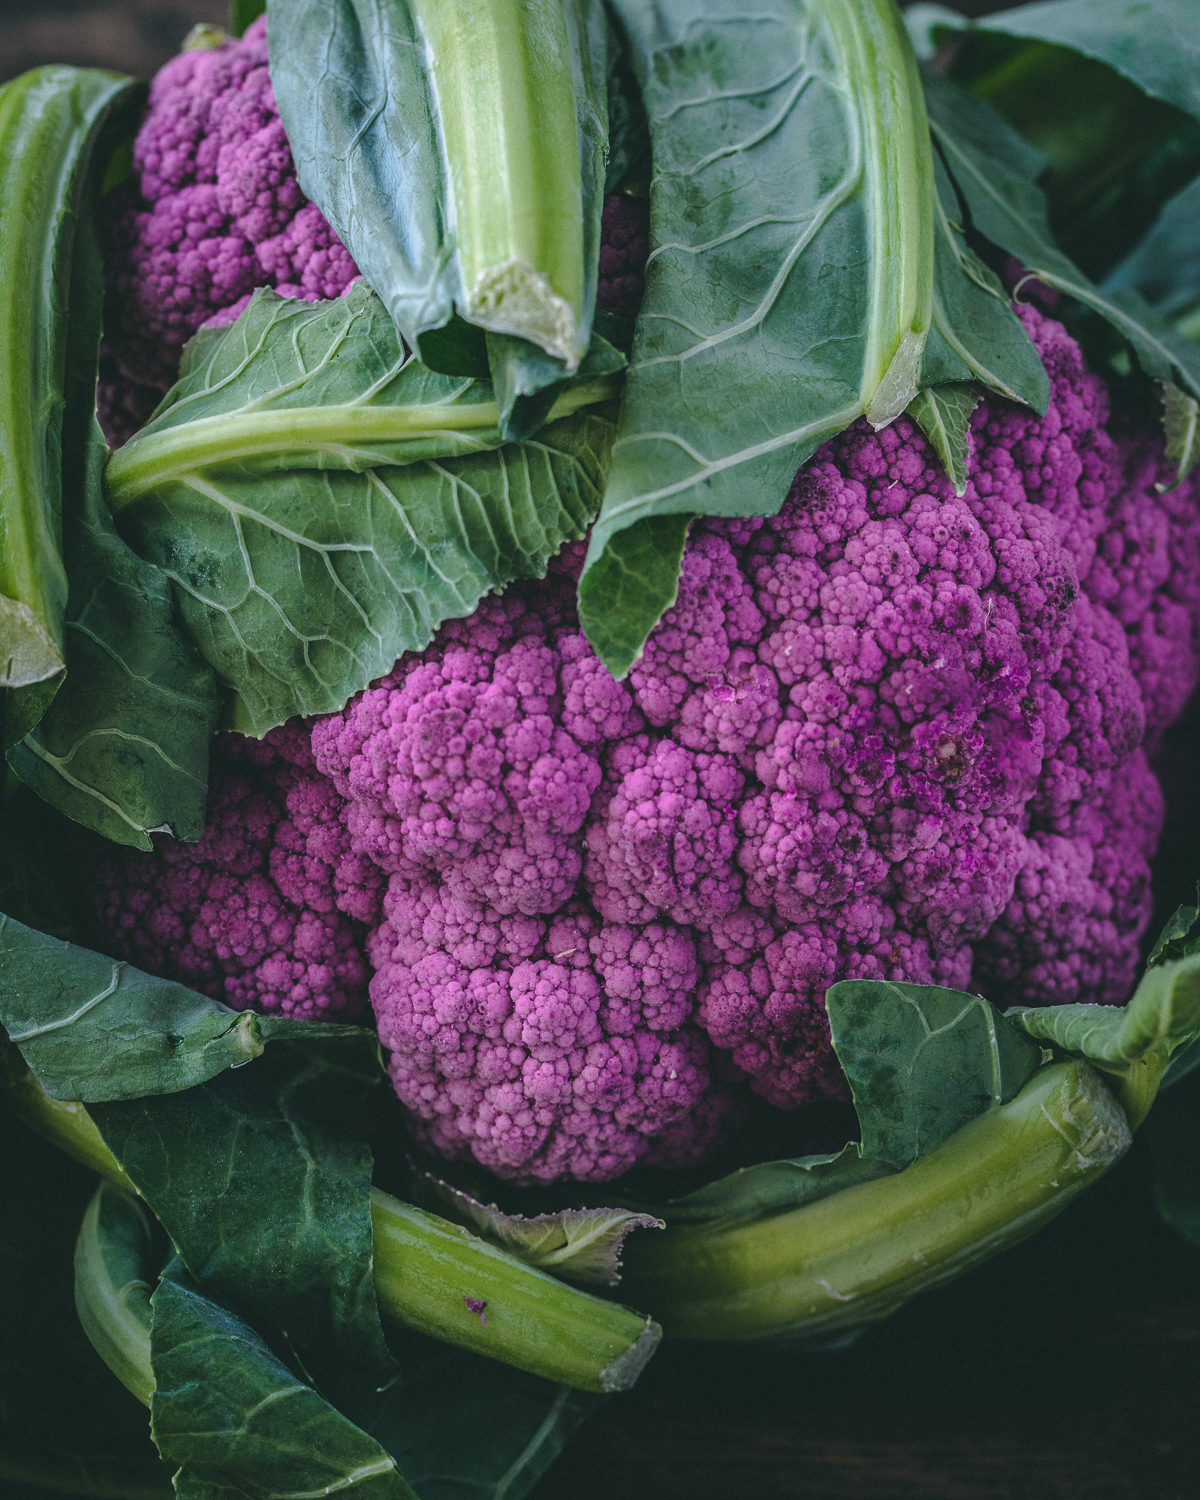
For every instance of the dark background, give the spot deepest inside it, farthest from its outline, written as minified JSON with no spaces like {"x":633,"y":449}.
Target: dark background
{"x":1069,"y":1369}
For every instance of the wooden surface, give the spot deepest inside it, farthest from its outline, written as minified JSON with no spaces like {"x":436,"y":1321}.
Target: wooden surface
{"x":1069,"y":1369}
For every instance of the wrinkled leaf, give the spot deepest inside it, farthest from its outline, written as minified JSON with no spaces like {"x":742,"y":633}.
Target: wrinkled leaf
{"x":1132,"y":1042}
{"x":235,"y":1421}
{"x":301,"y":591}
{"x":922,"y":1061}
{"x":94,"y":1029}
{"x":943,"y":413}
{"x":786,"y":177}
{"x":578,"y":1244}
{"x":1154,"y":43}
{"x":995,"y":172}
{"x":123,"y":747}
{"x":1180,"y":938}
{"x":378,"y":148}
{"x":262,"y":1178}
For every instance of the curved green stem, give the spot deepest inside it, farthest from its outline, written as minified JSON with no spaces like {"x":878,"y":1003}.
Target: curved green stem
{"x":430,"y":1275}
{"x":859,"y":1254}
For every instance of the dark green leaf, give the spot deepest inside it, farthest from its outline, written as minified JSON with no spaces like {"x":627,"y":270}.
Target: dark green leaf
{"x":922,"y":1061}
{"x":66,"y":1426}
{"x":974,"y":335}
{"x":234,"y":1419}
{"x":578,"y":1244}
{"x":93,"y":1029}
{"x":462,"y":1427}
{"x":379,"y":145}
{"x":1165,"y":266}
{"x":771,"y":313}
{"x":943,"y":413}
{"x":113,"y":1283}
{"x":123,"y":747}
{"x":391,"y":505}
{"x":262,"y":1179}
{"x":242,"y":12}
{"x":630,"y":585}
{"x":995,"y":170}
{"x":1154,"y":43}
{"x":1174,"y":1131}
{"x":527,"y":382}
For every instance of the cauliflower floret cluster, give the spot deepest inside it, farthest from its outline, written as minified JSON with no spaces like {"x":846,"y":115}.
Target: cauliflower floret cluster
{"x":886,"y":733}
{"x":267,"y":911}
{"x":213,"y":210}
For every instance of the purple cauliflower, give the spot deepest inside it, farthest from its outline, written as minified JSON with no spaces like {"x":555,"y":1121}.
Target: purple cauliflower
{"x":213,"y":210}
{"x":886,"y":733}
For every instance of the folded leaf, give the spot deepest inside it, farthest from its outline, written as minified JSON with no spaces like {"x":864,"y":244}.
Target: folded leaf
{"x":790,"y":275}
{"x":995,"y":171}
{"x":578,"y":1244}
{"x":1133,"y":1042}
{"x":458,"y":151}
{"x":234,"y":1420}
{"x":391,"y":505}
{"x":123,"y":746}
{"x":93,"y":1029}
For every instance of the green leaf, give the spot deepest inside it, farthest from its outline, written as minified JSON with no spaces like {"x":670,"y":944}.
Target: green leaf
{"x":921,"y":1062}
{"x":994,"y":171}
{"x":578,"y":1244}
{"x":527,"y":382}
{"x":630,"y":585}
{"x":459,"y":153}
{"x":1165,"y":265}
{"x":235,"y":1420}
{"x":1154,"y":43}
{"x":975,"y":335}
{"x":391,"y":505}
{"x":94,"y":1029}
{"x":789,"y":283}
{"x":123,"y":746}
{"x":1181,"y":425}
{"x":66,"y":1426}
{"x":943,"y":413}
{"x":1132,"y":1042}
{"x":262,"y":1178}
{"x":51,"y":124}
{"x":242,"y":12}
{"x":1180,"y":938}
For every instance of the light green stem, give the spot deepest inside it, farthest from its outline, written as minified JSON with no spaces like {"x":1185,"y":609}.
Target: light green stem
{"x":322,"y":436}
{"x":885,"y":93}
{"x":425,"y":1270}
{"x":503,"y":75}
{"x":112,"y":1297}
{"x":859,"y":1254}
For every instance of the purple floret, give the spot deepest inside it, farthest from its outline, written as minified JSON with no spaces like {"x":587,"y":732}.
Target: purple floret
{"x":213,"y":210}
{"x":887,"y":733}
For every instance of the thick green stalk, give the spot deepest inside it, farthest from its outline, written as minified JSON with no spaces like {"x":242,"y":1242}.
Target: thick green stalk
{"x":50,"y":120}
{"x":426,"y":1269}
{"x":889,"y":104}
{"x":505,"y":91}
{"x":859,"y":1254}
{"x":318,"y":436}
